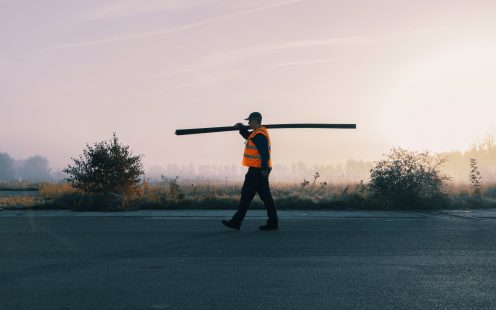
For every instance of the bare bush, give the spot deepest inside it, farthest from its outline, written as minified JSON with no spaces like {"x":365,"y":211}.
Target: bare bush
{"x":406,"y":179}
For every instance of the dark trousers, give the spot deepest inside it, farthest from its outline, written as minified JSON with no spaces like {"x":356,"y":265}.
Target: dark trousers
{"x":254,"y":183}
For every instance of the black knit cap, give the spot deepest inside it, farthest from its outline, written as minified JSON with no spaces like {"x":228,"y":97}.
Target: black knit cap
{"x":255,"y":115}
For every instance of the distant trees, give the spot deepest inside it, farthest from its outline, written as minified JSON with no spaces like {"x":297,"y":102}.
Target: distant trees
{"x":406,"y":179}
{"x":483,"y":150}
{"x":358,"y":169}
{"x":35,"y":168}
{"x":7,"y":167}
{"x":106,"y":167}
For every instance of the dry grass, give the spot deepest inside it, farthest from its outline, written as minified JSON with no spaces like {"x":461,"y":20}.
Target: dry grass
{"x":50,"y":191}
{"x":18,"y":201}
{"x":172,"y":194}
{"x":18,"y":186}
{"x":462,"y":196}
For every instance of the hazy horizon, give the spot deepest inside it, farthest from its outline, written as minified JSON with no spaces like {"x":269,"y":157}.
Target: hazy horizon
{"x":456,"y":167}
{"x":418,"y":75}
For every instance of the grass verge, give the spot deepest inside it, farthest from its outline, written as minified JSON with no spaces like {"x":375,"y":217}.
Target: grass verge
{"x":225,"y":196}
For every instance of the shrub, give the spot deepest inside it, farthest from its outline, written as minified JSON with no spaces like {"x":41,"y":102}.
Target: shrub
{"x":100,"y":202}
{"x":106,"y":167}
{"x":175,"y":192}
{"x":407,"y":179}
{"x":475,"y":178}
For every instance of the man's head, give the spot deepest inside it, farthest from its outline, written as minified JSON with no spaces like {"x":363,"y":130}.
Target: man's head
{"x":254,"y":120}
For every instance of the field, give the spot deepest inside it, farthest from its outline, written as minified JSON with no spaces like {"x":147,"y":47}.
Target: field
{"x":10,"y":199}
{"x":175,"y":194}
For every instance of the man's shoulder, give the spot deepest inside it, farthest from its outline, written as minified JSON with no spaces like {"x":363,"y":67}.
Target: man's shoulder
{"x":260,"y":137}
{"x":261,"y":130}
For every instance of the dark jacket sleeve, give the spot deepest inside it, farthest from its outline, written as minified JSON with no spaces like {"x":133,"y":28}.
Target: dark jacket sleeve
{"x":244,"y":132}
{"x":262,"y":145}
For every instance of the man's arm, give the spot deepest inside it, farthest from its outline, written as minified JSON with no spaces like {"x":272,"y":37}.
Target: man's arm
{"x":262,"y":145}
{"x":243,"y":130}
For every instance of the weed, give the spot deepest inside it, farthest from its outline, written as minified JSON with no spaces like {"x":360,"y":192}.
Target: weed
{"x":475,"y":178}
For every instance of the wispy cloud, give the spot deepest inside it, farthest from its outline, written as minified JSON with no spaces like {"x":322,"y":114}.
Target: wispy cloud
{"x":206,"y":70}
{"x":233,"y":56}
{"x":303,"y":63}
{"x":225,"y":58}
{"x":137,"y":7}
{"x":239,"y":54}
{"x":175,"y":72}
{"x":150,"y":34}
{"x":202,"y":77}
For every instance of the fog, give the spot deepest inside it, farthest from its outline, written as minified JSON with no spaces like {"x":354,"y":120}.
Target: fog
{"x":413,"y":74}
{"x":457,"y":167}
{"x":32,"y":169}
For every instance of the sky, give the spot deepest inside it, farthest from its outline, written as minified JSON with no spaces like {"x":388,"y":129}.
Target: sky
{"x":414,"y":74}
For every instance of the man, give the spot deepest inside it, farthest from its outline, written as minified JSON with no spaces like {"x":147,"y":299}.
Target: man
{"x":257,"y":158}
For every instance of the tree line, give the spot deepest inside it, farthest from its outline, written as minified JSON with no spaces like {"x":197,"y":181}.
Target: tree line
{"x":33,"y":169}
{"x":456,"y":166}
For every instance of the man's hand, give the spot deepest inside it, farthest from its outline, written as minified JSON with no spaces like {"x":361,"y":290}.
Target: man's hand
{"x":265,"y":173}
{"x":238,"y":126}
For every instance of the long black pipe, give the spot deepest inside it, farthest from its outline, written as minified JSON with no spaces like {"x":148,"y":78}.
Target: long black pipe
{"x":193,"y":131}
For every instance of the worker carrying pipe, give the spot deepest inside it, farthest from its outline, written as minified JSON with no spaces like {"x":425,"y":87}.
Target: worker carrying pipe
{"x":257,"y":157}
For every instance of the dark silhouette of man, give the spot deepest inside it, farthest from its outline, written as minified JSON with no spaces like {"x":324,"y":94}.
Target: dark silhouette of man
{"x":257,"y":158}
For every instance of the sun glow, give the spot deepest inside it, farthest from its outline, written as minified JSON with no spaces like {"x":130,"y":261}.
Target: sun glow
{"x":445,"y":101}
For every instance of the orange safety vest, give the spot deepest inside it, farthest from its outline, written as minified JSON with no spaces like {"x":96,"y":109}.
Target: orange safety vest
{"x":251,"y":156}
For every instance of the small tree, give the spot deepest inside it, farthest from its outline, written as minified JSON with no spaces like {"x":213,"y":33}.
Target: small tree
{"x":475,"y":178}
{"x":106,"y":167}
{"x":407,"y":180}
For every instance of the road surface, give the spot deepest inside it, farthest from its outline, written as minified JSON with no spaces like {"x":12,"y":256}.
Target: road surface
{"x":189,"y":260}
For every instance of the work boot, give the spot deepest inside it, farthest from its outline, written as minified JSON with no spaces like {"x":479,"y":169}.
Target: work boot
{"x":231,"y":225}
{"x":269,"y":226}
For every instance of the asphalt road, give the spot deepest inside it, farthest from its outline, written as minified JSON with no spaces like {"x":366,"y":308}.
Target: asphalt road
{"x":316,"y":260}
